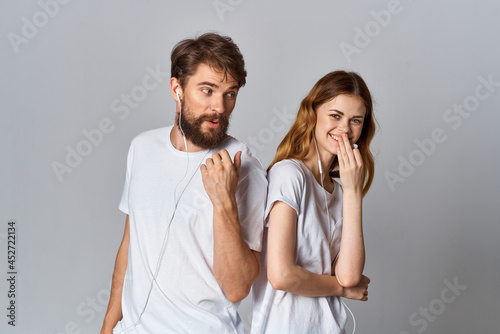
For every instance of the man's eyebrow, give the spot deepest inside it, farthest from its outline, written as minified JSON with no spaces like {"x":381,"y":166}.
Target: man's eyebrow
{"x":211,"y":84}
{"x":207,"y":83}
{"x":341,"y":113}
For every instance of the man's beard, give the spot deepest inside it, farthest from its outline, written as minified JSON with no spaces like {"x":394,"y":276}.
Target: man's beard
{"x":191,"y":126}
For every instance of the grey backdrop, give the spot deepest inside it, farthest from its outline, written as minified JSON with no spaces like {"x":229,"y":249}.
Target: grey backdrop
{"x":431,"y":219}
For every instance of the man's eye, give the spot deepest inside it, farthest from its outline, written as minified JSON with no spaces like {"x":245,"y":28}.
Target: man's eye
{"x":206,"y":90}
{"x":231,"y":94}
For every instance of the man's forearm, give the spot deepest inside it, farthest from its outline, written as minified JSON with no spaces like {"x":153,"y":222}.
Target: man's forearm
{"x":114,"y":311}
{"x":236,"y":266}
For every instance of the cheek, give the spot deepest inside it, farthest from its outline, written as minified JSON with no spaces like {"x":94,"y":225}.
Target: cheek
{"x":320,"y":131}
{"x":229,"y":106}
{"x":357,"y":133}
{"x":197,"y":106}
{"x":323,"y":126}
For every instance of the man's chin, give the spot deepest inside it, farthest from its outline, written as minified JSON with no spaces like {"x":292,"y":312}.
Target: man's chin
{"x":208,"y":140}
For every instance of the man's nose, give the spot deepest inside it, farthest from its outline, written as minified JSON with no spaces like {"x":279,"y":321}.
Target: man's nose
{"x":218,"y":104}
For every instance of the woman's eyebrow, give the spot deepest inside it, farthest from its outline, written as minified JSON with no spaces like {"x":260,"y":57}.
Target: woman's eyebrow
{"x":341,"y":113}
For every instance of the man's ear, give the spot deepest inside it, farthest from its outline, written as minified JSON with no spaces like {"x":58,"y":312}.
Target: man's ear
{"x":175,"y":89}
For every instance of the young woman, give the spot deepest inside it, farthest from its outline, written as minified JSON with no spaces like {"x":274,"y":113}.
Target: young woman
{"x":313,"y":251}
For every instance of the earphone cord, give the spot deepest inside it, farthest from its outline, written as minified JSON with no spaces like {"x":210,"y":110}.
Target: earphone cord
{"x":162,"y":249}
{"x":353,"y":319}
{"x":328,"y":215}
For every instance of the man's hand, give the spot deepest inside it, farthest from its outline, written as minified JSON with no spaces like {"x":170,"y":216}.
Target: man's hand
{"x":220,"y":176}
{"x":235,"y":265}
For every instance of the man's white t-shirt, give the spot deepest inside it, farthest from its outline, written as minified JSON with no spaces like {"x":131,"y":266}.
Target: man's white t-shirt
{"x":185,"y":297}
{"x":318,"y":244}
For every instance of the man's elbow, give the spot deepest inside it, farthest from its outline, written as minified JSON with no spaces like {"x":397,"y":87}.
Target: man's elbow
{"x":238,"y":294}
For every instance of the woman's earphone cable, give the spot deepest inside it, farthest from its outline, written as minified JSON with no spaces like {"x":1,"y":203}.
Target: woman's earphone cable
{"x":328,"y":216}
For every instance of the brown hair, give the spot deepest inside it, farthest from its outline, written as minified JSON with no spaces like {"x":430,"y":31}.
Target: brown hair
{"x":297,"y":141}
{"x":218,"y":52}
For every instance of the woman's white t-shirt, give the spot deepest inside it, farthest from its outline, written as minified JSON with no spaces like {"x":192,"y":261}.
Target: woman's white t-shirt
{"x":318,"y":244}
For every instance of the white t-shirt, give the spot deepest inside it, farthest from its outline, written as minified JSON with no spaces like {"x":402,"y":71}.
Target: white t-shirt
{"x":318,"y":244}
{"x":186,"y":297}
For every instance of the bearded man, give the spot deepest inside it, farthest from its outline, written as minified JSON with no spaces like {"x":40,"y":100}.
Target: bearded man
{"x":193,"y":231}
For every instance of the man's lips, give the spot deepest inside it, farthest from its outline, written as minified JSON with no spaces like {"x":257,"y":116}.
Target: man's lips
{"x":213,"y":123}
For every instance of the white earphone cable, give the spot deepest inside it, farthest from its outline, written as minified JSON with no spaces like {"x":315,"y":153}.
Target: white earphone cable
{"x":176,"y":201}
{"x":353,"y":319}
{"x":328,"y":216}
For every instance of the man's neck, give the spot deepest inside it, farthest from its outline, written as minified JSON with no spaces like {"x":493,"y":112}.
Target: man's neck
{"x":177,"y":141}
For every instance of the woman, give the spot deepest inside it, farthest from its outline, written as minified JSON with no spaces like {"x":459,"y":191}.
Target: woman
{"x":309,"y":266}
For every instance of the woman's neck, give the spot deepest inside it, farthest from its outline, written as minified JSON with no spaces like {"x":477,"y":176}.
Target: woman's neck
{"x":311,"y":161}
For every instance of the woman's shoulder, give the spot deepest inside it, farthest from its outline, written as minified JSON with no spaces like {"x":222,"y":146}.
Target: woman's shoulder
{"x":287,"y":173}
{"x":287,"y":168}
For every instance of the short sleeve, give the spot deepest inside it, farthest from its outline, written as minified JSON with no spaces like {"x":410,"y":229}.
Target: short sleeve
{"x":286,"y":184}
{"x":124,"y":207}
{"x":251,"y":198}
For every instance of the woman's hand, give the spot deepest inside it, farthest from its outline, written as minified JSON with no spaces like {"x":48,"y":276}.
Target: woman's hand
{"x":350,"y":165}
{"x":359,"y":292}
{"x":351,"y":258}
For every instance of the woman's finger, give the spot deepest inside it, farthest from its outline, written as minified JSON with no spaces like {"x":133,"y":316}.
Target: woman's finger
{"x":358,"y":157}
{"x":347,"y":148}
{"x":340,"y":156}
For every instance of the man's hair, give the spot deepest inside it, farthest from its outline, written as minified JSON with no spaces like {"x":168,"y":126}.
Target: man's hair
{"x":218,"y":52}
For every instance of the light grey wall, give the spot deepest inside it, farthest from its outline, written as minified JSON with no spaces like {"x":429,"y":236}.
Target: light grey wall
{"x":431,"y":218}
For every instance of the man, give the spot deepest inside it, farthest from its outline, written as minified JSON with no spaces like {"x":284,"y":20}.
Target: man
{"x":194,"y":222}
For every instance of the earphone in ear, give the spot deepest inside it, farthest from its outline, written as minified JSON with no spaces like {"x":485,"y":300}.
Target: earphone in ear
{"x":178,"y":98}
{"x":354,"y":145}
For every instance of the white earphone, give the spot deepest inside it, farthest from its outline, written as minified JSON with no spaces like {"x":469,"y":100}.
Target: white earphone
{"x":176,"y":200}
{"x":328,"y":215}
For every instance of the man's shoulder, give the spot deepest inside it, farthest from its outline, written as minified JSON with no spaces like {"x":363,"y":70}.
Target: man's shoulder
{"x":159,"y":135}
{"x":249,"y":162}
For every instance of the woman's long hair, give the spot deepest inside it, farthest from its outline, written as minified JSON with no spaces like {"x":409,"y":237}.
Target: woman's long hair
{"x":297,"y":141}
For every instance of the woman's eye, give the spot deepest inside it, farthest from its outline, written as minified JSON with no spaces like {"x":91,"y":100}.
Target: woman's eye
{"x":335,"y":116}
{"x":357,"y":121}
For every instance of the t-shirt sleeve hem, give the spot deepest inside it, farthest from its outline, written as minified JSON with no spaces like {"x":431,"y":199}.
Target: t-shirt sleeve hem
{"x":123,"y":209}
{"x":255,"y":246}
{"x":283,"y":199}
